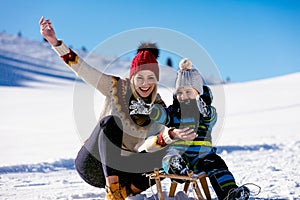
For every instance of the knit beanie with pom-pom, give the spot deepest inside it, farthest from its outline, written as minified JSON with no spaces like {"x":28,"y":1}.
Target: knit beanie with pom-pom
{"x":150,"y":46}
{"x":144,"y":60}
{"x":187,"y":76}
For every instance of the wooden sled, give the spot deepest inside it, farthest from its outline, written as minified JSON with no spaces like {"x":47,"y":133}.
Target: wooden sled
{"x":190,"y":179}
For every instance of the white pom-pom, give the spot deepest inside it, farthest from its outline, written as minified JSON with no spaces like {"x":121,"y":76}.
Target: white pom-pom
{"x":185,"y":64}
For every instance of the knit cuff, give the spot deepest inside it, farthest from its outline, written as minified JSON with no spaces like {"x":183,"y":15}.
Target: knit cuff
{"x":61,"y":49}
{"x":166,"y":136}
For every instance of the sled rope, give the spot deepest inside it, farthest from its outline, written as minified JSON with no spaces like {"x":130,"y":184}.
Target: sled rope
{"x":259,"y":188}
{"x":149,"y":178}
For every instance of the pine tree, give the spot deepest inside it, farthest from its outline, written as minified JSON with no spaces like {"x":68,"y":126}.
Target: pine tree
{"x":83,"y":48}
{"x":169,"y":62}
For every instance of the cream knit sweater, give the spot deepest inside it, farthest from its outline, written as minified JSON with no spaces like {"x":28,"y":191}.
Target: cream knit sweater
{"x":149,"y":138}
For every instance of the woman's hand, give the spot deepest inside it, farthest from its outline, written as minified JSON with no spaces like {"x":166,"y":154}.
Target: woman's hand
{"x":183,"y":134}
{"x":48,"y":32}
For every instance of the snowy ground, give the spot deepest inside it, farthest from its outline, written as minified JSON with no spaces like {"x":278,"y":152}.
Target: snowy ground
{"x":259,"y":140}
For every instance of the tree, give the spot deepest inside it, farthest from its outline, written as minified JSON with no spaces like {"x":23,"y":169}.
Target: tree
{"x":19,"y":34}
{"x":169,"y":62}
{"x":83,"y":49}
{"x":228,"y":80}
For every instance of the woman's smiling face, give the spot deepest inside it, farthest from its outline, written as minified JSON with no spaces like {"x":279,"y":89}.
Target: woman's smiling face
{"x":144,"y":82}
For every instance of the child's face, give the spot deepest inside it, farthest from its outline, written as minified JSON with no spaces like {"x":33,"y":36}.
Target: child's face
{"x":185,"y":93}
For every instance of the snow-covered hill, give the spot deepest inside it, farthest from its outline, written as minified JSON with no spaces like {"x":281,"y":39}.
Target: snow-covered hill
{"x":28,"y":63}
{"x":259,"y":139}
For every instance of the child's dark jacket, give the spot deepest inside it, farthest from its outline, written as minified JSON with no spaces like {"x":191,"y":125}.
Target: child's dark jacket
{"x":186,"y":114}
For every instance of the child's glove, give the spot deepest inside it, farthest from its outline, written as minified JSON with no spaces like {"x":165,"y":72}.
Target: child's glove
{"x":173,"y":163}
{"x":139,"y":107}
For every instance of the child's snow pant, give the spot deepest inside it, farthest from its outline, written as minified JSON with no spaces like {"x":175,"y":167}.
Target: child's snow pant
{"x":220,"y":177}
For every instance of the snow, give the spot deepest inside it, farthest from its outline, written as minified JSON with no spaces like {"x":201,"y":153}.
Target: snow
{"x":39,"y":138}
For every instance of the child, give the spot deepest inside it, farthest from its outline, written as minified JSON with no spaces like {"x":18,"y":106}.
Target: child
{"x":192,"y":108}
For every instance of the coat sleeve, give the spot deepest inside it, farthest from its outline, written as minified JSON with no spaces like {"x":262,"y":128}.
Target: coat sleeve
{"x":163,"y":115}
{"x":159,"y":114}
{"x":90,"y":75}
{"x":157,"y":142}
{"x":161,"y":139}
{"x":210,"y":120}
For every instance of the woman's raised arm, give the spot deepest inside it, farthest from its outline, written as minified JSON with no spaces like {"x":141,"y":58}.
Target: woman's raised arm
{"x":48,"y":32}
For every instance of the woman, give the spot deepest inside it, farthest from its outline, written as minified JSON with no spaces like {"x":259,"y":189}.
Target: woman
{"x":117,"y":153}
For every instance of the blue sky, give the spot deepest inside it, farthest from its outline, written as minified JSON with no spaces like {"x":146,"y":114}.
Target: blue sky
{"x":247,"y":40}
